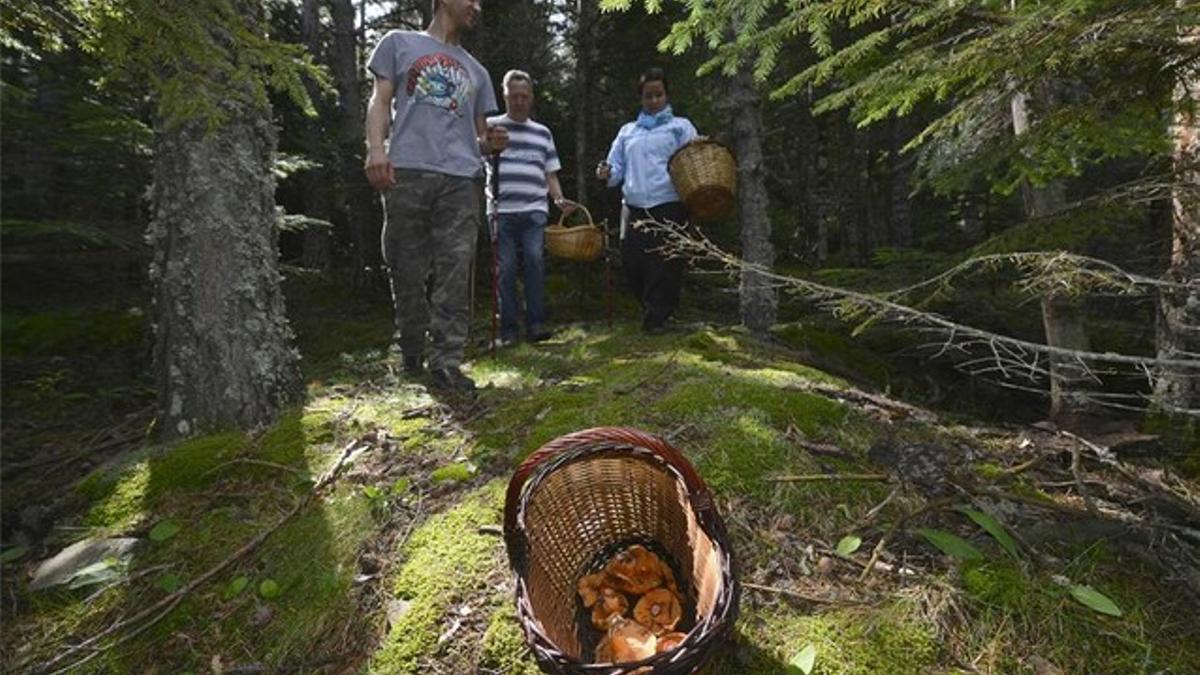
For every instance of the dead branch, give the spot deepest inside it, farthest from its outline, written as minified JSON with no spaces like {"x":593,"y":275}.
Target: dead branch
{"x":833,"y":477}
{"x":159,"y":610}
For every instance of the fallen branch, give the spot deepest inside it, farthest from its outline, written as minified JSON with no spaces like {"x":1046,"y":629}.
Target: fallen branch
{"x":878,"y":550}
{"x":792,"y":594}
{"x":163,"y":607}
{"x":818,"y":477}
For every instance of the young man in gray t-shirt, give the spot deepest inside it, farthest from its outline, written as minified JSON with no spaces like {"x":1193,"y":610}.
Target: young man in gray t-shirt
{"x":430,"y":101}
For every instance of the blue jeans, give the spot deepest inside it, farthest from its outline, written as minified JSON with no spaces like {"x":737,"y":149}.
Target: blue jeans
{"x":526,"y":232}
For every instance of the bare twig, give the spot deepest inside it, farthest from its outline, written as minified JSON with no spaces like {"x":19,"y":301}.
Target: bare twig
{"x":156,"y":612}
{"x":792,"y":594}
{"x":1083,"y":492}
{"x":878,"y":550}
{"x":818,"y":477}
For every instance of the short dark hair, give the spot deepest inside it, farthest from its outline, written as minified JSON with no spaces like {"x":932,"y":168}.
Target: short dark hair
{"x":653,"y":75}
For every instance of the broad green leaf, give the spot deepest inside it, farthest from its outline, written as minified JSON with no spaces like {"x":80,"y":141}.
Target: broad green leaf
{"x":235,"y":587}
{"x":164,"y":530}
{"x":849,"y":544}
{"x":951,"y":545}
{"x":372,"y":492}
{"x":269,"y":589}
{"x":1096,"y":600}
{"x":13,"y":554}
{"x":994,"y":528}
{"x":806,"y":659}
{"x":169,"y":583}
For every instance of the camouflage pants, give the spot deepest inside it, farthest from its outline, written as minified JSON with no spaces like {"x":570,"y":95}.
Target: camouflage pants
{"x":431,"y":221}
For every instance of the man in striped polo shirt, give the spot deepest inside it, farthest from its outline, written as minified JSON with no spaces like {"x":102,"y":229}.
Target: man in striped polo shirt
{"x":528,"y":172}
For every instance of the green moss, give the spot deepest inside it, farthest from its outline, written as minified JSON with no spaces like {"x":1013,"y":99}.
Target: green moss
{"x":445,"y":558}
{"x":70,"y":331}
{"x":456,"y":472}
{"x":699,"y":397}
{"x":891,"y":639}
{"x":838,"y":350}
{"x":503,"y":648}
{"x":1000,"y":583}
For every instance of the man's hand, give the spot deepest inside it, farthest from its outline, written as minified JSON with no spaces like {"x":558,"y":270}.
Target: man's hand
{"x":497,"y":138}
{"x":603,"y":171}
{"x":378,"y":168}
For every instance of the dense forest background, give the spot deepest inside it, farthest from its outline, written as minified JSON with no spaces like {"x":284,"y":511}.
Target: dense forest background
{"x":961,"y":288}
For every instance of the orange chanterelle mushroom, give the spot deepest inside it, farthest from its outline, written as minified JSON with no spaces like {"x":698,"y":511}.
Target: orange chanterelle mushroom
{"x":637,"y":570}
{"x":609,"y":604}
{"x":589,"y":588}
{"x":658,"y":610}
{"x":629,"y":641}
{"x":670,"y":641}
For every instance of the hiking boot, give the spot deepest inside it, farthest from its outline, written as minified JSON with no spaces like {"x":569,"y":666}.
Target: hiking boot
{"x":540,"y":335}
{"x":413,"y":365}
{"x":452,"y":379}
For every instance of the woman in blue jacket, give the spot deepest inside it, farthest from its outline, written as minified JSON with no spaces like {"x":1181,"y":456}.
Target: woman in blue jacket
{"x":637,"y":161}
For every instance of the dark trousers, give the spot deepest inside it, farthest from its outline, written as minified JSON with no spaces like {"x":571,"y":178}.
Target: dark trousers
{"x":653,"y":277}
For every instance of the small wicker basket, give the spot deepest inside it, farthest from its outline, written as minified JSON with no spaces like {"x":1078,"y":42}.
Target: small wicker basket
{"x":582,"y":242}
{"x":705,"y":176}
{"x":583,"y":496}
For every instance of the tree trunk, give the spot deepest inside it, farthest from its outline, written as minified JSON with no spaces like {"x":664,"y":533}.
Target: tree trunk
{"x":222,"y":351}
{"x":354,"y":200}
{"x":586,"y":17}
{"x":900,"y":225}
{"x":759,"y":301}
{"x":317,"y":240}
{"x":1062,"y":315}
{"x":1178,"y":390}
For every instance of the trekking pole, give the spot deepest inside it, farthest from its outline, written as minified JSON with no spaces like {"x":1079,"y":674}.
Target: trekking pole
{"x":494,"y":233}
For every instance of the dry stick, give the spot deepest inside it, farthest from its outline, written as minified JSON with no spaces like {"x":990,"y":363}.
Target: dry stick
{"x":813,"y":478}
{"x":1105,"y":457}
{"x":878,"y":551}
{"x":637,"y":385}
{"x":791,"y":594}
{"x":1024,"y":466}
{"x":1087,"y":496}
{"x":164,"y":606}
{"x":257,"y":462}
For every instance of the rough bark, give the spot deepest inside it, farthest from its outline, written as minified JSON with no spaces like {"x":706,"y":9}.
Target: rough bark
{"x":1062,"y":315}
{"x":1178,"y":390}
{"x":317,"y":240}
{"x":223,"y":353}
{"x":758,"y":298}
{"x":354,"y":200}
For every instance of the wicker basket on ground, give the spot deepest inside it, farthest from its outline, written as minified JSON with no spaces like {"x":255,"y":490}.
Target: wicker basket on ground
{"x":582,"y":242}
{"x":705,"y":176}
{"x":586,"y":495}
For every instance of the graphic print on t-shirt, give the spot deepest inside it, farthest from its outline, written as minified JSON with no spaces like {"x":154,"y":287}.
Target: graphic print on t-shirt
{"x":439,"y":80}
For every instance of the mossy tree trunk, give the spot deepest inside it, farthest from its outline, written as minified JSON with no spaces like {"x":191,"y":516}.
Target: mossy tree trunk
{"x":758,"y":300}
{"x":1178,"y":390}
{"x":223,"y":346}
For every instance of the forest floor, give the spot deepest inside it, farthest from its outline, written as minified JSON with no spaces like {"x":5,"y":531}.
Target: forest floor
{"x":359,"y":534}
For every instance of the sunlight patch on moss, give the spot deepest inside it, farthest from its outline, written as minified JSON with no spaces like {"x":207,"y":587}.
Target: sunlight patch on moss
{"x":503,"y":648}
{"x":892,"y":639}
{"x":498,"y":375}
{"x":445,"y":559}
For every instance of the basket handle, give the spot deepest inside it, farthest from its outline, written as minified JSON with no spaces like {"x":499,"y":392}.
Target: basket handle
{"x":698,"y":492}
{"x":562,"y":215}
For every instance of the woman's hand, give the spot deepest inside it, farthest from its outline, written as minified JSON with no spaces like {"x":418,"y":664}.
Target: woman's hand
{"x":603,"y":171}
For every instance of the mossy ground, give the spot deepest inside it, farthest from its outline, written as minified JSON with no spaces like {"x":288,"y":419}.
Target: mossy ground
{"x":394,"y":570}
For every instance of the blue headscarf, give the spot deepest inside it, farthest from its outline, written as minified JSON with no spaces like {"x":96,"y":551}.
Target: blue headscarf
{"x":648,"y":121}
